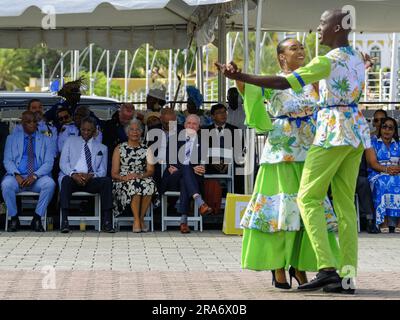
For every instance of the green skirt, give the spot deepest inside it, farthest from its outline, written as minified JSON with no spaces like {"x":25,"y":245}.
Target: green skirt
{"x":281,"y":249}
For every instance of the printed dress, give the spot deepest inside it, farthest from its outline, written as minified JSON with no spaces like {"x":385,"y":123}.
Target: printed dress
{"x":273,"y":235}
{"x":132,"y":160}
{"x":385,"y":187}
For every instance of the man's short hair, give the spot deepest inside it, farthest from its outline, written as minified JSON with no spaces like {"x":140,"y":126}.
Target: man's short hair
{"x":216,"y":107}
{"x":63,"y":109}
{"x":90,"y":120}
{"x":32,"y":101}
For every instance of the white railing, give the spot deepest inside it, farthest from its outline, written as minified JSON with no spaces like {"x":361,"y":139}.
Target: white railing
{"x":377,"y":86}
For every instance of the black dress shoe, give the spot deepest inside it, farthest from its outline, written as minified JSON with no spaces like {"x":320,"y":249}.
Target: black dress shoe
{"x":372,"y":228}
{"x":13,"y":224}
{"x":322,"y":279}
{"x":37,"y":225}
{"x":338,"y":287}
{"x":65,"y":227}
{"x":108,"y":228}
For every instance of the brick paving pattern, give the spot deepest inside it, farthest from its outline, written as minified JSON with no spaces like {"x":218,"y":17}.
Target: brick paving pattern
{"x":166,"y":265}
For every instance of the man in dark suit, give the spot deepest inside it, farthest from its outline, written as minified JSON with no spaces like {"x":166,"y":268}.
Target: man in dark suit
{"x":222,"y":135}
{"x":159,"y":136}
{"x":186,"y":173}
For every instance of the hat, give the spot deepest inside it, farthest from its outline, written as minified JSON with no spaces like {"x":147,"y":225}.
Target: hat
{"x":151,"y":115}
{"x":158,"y":92}
{"x":195,"y":95}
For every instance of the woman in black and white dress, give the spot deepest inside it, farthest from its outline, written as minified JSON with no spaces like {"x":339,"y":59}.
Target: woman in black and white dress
{"x":132,"y":171}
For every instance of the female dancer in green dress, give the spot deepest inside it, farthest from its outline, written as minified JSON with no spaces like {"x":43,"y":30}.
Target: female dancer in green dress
{"x":274,"y":237}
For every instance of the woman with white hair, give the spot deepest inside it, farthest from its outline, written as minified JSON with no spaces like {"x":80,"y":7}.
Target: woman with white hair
{"x":132,"y":171}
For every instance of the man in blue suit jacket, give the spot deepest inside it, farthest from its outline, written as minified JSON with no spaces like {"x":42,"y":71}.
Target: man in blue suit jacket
{"x":83,"y":165}
{"x":28,"y":160}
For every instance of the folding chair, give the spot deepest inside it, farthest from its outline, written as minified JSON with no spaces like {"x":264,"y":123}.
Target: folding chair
{"x":195,"y":221}
{"x":26,"y":220}
{"x":89,"y":220}
{"x":128,"y":220}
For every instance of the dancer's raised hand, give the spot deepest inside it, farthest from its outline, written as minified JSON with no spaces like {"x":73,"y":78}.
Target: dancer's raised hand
{"x":230,"y":73}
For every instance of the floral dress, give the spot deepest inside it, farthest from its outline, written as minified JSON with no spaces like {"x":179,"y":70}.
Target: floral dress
{"x":133,"y":160}
{"x":385,"y":187}
{"x":292,"y":135}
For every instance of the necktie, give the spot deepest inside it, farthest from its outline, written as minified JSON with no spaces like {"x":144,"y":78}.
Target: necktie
{"x":88,"y":157}
{"x":187,"y":146}
{"x":31,"y":156}
{"x":220,"y":129}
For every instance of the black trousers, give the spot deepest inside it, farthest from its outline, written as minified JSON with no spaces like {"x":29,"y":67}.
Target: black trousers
{"x":365,"y":199}
{"x":103,"y":186}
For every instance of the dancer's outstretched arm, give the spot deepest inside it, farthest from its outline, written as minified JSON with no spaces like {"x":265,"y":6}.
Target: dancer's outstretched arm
{"x":319,"y":68}
{"x":273,"y":82}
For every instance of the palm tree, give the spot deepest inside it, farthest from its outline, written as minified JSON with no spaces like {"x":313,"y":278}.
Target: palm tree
{"x":13,"y":70}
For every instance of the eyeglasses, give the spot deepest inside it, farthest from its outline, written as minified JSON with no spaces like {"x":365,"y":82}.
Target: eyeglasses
{"x":377,"y":120}
{"x":391,"y":128}
{"x":66,"y":117}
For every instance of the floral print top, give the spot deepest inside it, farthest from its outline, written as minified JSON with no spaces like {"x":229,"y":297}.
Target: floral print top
{"x":341,"y":76}
{"x":294,"y":128}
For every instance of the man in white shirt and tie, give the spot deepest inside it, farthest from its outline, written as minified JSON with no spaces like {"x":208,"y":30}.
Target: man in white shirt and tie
{"x":83,"y":165}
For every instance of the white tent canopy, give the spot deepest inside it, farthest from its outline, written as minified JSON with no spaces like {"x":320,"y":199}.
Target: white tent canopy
{"x":112,"y":24}
{"x":303,"y":15}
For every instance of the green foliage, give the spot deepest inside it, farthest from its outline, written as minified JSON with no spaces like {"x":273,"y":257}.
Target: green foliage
{"x":13,"y":70}
{"x":100,"y":84}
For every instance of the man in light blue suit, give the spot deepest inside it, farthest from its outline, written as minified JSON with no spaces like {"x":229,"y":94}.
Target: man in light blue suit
{"x":28,"y":160}
{"x":83,"y":165}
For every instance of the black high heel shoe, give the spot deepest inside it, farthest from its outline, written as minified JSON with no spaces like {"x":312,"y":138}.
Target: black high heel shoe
{"x":292,"y":274}
{"x":279,"y":285}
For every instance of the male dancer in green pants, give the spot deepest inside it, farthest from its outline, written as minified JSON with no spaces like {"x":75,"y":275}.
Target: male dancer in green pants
{"x":342,"y":134}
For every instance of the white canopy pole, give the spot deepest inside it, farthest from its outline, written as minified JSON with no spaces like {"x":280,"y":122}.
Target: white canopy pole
{"x":108,"y":74}
{"x":200,"y":70}
{"x":91,"y":81}
{"x":206,"y":82}
{"x":246,"y":35}
{"x":76,"y":65}
{"x":394,"y":69}
{"x":186,"y":52}
{"x":170,"y":94}
{"x":43,"y":74}
{"x":258,"y":36}
{"x":247,"y":179}
{"x":62,"y":70}
{"x":147,"y":67}
{"x":316,"y":44}
{"x":126,"y":77}
{"x":221,"y":57}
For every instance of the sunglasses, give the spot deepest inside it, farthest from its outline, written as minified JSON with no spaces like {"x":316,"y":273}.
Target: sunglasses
{"x":391,"y":128}
{"x":66,"y":117}
{"x":377,"y":120}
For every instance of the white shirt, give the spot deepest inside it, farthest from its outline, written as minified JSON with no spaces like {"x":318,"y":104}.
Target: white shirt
{"x":81,"y":165}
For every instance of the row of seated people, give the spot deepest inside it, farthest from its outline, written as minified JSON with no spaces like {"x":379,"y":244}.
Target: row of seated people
{"x":378,"y":184}
{"x":33,"y":147}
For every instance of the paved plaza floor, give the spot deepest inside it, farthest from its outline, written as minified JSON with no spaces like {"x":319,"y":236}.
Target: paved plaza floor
{"x":165,"y":265}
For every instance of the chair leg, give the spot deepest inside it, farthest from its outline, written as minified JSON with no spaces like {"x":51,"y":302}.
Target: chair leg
{"x":6,"y":226}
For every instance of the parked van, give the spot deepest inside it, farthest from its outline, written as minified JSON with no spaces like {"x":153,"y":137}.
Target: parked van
{"x":12,"y":104}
